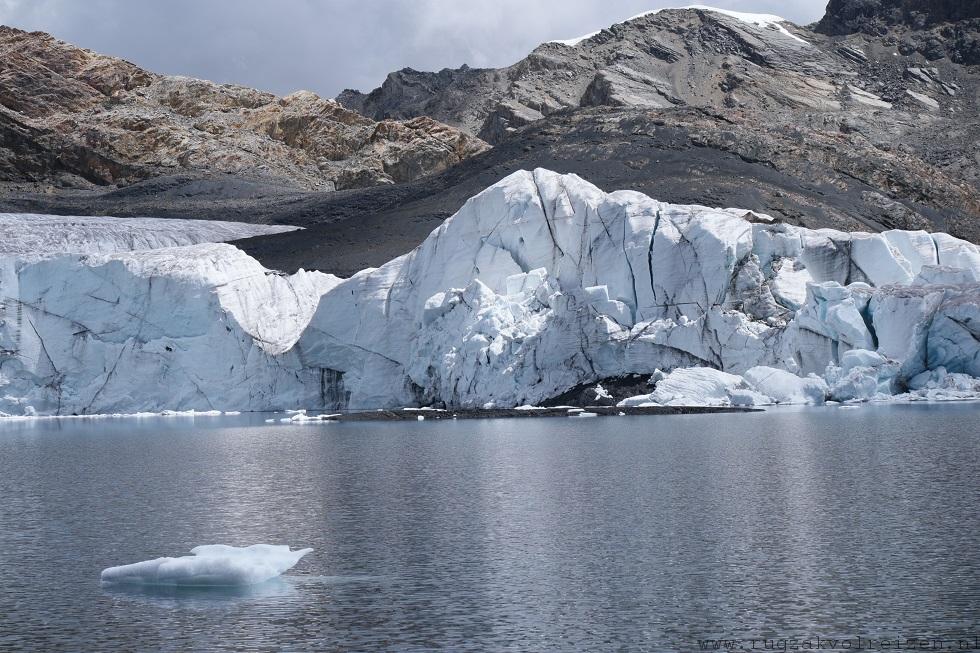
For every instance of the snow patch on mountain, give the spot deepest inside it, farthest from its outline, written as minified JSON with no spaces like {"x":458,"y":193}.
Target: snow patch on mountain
{"x":764,"y":21}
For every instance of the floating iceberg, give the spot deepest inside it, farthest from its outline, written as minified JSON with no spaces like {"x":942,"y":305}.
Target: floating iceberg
{"x":540,"y":284}
{"x":213,"y":565}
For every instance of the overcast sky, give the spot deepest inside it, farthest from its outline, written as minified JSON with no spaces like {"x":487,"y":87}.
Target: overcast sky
{"x":328,"y":45}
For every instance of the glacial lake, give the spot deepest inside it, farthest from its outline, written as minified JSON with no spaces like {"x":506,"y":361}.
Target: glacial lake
{"x":602,"y":534}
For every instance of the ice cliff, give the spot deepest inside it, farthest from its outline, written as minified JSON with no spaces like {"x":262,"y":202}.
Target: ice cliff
{"x":201,"y":326}
{"x":539,"y":284}
{"x":544,"y":282}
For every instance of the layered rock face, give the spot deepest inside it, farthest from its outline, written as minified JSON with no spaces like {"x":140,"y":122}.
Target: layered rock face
{"x":935,"y":29}
{"x":704,"y":57}
{"x":663,"y":59}
{"x":865,"y":129}
{"x":72,"y":117}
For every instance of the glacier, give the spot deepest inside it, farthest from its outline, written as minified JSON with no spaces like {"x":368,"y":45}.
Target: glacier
{"x":543,"y":282}
{"x":539,"y":284}
{"x":31,"y":236}
{"x":199,"y":327}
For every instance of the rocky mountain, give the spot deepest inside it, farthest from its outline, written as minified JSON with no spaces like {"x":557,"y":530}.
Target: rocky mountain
{"x":708,"y":58}
{"x":856,"y":123}
{"x":935,"y":28}
{"x":72,"y":118}
{"x":658,"y":60}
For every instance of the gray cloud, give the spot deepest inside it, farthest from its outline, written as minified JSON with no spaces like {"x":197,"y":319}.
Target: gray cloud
{"x":328,"y":45}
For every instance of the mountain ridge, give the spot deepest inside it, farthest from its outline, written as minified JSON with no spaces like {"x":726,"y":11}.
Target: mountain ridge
{"x":859,"y":131}
{"x":72,"y":117}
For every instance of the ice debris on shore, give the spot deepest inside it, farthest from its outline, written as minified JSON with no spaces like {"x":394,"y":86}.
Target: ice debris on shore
{"x":537,"y":285}
{"x":212,"y":565}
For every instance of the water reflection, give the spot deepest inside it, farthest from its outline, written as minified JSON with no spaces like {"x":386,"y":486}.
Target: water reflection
{"x":620,"y":533}
{"x":203,"y":597}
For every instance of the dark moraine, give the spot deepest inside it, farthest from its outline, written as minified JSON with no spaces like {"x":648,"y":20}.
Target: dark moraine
{"x":502,"y":413}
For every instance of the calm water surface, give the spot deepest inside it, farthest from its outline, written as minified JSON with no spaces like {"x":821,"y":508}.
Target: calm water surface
{"x":629,"y":533}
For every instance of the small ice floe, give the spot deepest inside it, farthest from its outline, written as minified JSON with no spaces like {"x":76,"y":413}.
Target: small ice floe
{"x":584,"y":414}
{"x":303,"y":418}
{"x":190,"y":413}
{"x":212,"y":565}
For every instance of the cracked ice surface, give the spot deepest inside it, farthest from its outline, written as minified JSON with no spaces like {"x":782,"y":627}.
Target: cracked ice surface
{"x":201,"y":327}
{"x":543,"y":282}
{"x":539,"y":284}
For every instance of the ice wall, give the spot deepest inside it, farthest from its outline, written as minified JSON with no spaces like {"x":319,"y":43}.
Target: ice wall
{"x":543,"y":282}
{"x":540,"y":283}
{"x":201,"y":327}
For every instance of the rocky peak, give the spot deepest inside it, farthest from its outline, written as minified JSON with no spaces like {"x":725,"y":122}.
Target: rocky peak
{"x":80,"y":117}
{"x":695,"y":56}
{"x":935,"y":29}
{"x":849,"y":16}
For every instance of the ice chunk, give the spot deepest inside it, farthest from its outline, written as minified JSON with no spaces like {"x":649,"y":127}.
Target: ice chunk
{"x":956,"y":253}
{"x":940,"y":385}
{"x":699,"y":386}
{"x":785,"y":387}
{"x":212,"y":565}
{"x":862,"y":376}
{"x":944,"y":275}
{"x":788,"y":285}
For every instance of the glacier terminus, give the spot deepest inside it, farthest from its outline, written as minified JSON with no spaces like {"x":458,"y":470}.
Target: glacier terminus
{"x":539,"y":284}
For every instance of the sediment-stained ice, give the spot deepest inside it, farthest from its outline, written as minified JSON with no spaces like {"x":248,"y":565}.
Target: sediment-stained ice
{"x":212,"y":565}
{"x":30,"y":236}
